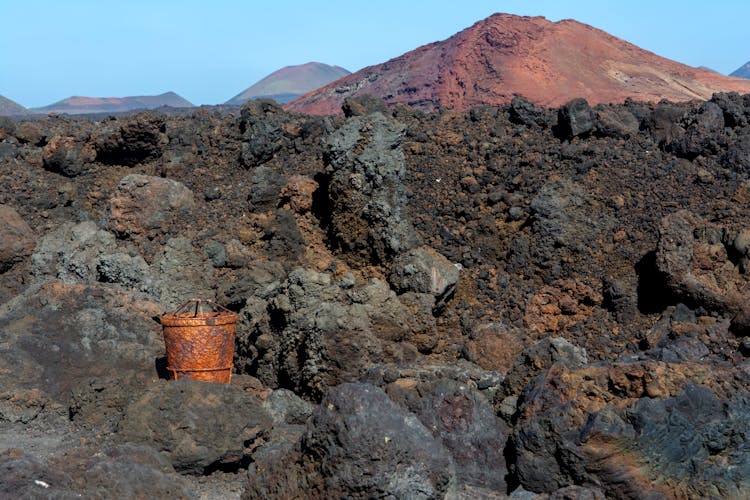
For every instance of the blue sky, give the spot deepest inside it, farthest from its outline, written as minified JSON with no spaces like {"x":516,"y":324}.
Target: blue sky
{"x":208,"y":51}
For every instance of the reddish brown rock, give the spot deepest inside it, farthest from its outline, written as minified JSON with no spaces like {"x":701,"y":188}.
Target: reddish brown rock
{"x":494,"y":346}
{"x":560,"y":306}
{"x":297,"y":194}
{"x":16,"y":238}
{"x":505,"y":55}
{"x":144,"y":205}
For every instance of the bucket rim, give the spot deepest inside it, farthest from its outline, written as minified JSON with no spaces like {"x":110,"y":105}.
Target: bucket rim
{"x":202,"y":319}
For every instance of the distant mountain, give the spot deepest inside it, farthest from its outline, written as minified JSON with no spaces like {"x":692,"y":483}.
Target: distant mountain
{"x":506,"y":55}
{"x":10,"y":108}
{"x":290,"y":82}
{"x":743,"y":71}
{"x":80,"y":105}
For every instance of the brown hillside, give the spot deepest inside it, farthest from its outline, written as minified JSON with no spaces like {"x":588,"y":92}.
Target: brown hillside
{"x":505,"y":55}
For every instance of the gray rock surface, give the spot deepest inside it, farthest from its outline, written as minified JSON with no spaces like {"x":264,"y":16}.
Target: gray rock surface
{"x":182,"y":273}
{"x":538,"y":357}
{"x":423,"y":270}
{"x":129,"y":271}
{"x":56,"y":335}
{"x":367,"y":446}
{"x":110,"y":472}
{"x":314,"y":333}
{"x":464,"y":422}
{"x":285,"y":407}
{"x":367,"y":190}
{"x":189,"y":423}
{"x":71,"y":253}
{"x":575,"y":118}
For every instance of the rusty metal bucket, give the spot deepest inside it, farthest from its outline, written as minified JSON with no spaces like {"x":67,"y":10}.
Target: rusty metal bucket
{"x":199,"y":337}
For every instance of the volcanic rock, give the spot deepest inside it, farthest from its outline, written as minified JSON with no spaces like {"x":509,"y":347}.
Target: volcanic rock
{"x":187,"y":421}
{"x":182,"y":273}
{"x":366,"y":190}
{"x":262,"y":132}
{"x":148,"y":205}
{"x":575,"y":118}
{"x":138,"y":139}
{"x":540,"y":356}
{"x":464,"y":421}
{"x":494,"y":346}
{"x":68,"y":156}
{"x":17,"y":240}
{"x":59,"y":335}
{"x":124,"y":471}
{"x":364,"y":442}
{"x":71,"y":253}
{"x":693,"y":257}
{"x":505,"y":56}
{"x":680,"y":423}
{"x":315,"y":333}
{"x":423,"y":270}
{"x":615,"y":122}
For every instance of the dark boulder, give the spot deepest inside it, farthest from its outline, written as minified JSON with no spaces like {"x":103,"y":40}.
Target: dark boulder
{"x":139,"y":139}
{"x":464,"y":422}
{"x":68,"y":156}
{"x":523,"y":112}
{"x":615,"y":122}
{"x":263,"y":134}
{"x":732,"y":106}
{"x":575,"y":119}
{"x":737,"y":155}
{"x":704,"y":132}
{"x":367,"y":446}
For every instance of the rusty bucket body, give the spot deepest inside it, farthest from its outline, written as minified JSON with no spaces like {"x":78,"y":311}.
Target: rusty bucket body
{"x":200,"y":343}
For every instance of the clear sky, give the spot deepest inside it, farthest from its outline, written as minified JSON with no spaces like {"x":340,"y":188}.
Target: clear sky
{"x":208,"y":51}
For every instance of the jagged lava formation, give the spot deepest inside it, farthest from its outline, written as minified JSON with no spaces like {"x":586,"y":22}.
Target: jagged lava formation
{"x":505,"y":55}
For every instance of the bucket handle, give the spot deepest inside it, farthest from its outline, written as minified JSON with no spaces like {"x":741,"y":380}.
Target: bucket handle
{"x":198,"y":305}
